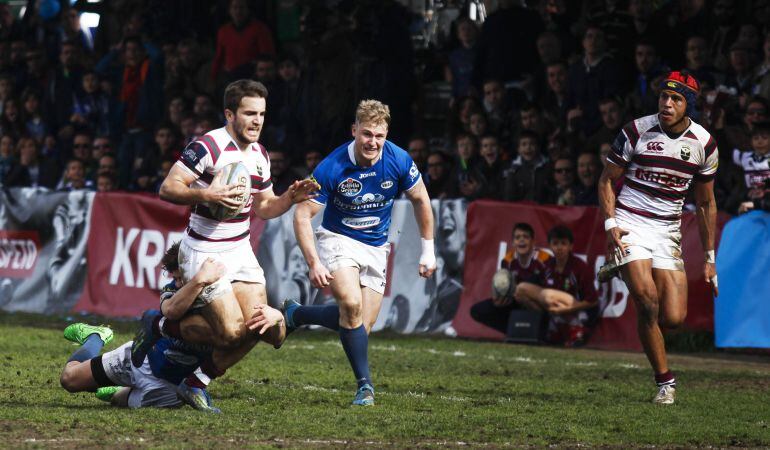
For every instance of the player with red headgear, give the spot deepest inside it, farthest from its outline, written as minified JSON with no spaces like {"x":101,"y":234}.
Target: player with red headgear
{"x":660,"y":156}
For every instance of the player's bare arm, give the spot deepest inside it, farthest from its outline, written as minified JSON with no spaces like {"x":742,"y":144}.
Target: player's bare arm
{"x":175,"y":307}
{"x":319,"y":275}
{"x":176,"y":189}
{"x":610,"y":174}
{"x":706,"y":211}
{"x":268,"y":205}
{"x":423,"y":212}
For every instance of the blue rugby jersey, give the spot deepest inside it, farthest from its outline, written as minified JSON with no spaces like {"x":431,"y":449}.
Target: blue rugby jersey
{"x":359,"y":199}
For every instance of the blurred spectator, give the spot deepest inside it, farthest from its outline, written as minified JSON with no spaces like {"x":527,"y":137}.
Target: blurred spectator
{"x":92,"y":107}
{"x":81,"y":150}
{"x":562,"y":189}
{"x":203,"y":106}
{"x":100,"y":147}
{"x":147,"y":164}
{"x":724,"y":32}
{"x":679,"y":20}
{"x":762,"y":78}
{"x":105,"y":183}
{"x":740,"y":74}
{"x":699,"y":62}
{"x":290,"y":92}
{"x":526,"y":265}
{"x":138,"y":89}
{"x":459,"y":69}
{"x":528,"y":176}
{"x":188,"y":73}
{"x":739,"y":135}
{"x":531,"y":119}
{"x":280,"y":172}
{"x":611,"y":111}
{"x":418,"y":151}
{"x":755,"y":168}
{"x":108,"y":166}
{"x":586,"y":192}
{"x":465,"y":180}
{"x":73,"y":31}
{"x":438,"y":180}
{"x":642,"y":100}
{"x":7,"y":155}
{"x":65,"y":83}
{"x":460,"y":116}
{"x":177,"y":108}
{"x":568,"y":294}
{"x":75,"y":176}
{"x":239,"y":42}
{"x":6,"y":89}
{"x":604,"y":150}
{"x":312,"y":159}
{"x":32,"y":115}
{"x":594,"y":77}
{"x":478,"y":125}
{"x":31,"y":170}
{"x":554,"y":100}
{"x":500,"y":110}
{"x":490,"y":168}
{"x":11,"y":121}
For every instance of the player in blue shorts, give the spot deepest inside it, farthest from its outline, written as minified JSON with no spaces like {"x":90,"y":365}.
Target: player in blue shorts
{"x":154,"y":383}
{"x":358,"y":183}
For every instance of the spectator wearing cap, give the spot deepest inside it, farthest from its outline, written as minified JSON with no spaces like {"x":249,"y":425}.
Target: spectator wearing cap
{"x":528,"y":175}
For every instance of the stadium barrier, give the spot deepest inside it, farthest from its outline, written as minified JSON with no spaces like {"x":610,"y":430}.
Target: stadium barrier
{"x":43,"y":254}
{"x":489,"y":226}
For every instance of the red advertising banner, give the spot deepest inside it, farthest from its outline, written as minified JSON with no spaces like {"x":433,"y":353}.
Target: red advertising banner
{"x":128,"y":236}
{"x":489,"y":226}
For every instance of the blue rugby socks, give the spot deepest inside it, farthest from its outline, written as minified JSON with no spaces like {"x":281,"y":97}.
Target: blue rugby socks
{"x":327,"y":316}
{"x":90,"y":349}
{"x":356,"y":344}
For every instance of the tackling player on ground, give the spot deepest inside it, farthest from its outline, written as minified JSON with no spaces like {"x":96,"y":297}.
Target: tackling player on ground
{"x":358,"y":183}
{"x":660,"y":156}
{"x":228,"y":303}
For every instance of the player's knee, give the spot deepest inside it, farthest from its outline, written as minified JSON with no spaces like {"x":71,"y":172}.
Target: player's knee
{"x":68,"y":381}
{"x":647,"y":308}
{"x":672,"y":321}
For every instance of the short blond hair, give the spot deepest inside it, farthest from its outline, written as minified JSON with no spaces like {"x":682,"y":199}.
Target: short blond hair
{"x":372,"y":112}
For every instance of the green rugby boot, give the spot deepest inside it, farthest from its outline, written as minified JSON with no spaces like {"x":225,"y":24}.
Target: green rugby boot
{"x":106,"y":393}
{"x":79,"y":332}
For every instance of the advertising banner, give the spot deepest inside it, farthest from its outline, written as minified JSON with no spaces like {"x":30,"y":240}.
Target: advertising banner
{"x":43,"y":238}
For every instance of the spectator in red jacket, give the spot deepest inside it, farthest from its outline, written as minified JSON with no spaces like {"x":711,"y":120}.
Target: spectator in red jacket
{"x":568,"y":294}
{"x":240,"y":41}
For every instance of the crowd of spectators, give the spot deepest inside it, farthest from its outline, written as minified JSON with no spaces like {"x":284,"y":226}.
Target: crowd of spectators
{"x":538,"y":89}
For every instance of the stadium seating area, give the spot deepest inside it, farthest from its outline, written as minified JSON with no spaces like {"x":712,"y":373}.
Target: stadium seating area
{"x":494,"y":100}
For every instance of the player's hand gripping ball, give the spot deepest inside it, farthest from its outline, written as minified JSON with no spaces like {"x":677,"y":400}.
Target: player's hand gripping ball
{"x":233,"y":173}
{"x":503,"y":284}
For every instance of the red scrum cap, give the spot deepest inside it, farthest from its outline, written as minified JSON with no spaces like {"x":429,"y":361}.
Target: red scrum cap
{"x":685,"y":84}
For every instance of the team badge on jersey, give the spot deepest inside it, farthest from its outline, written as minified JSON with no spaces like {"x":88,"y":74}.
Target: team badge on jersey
{"x":259,"y":170}
{"x":386,"y":184}
{"x":685,"y":152}
{"x":350,"y":187}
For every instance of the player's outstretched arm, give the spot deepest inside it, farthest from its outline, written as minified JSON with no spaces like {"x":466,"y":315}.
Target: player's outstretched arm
{"x":175,"y":307}
{"x":318,"y":273}
{"x":610,"y":174}
{"x":268,"y":206}
{"x":706,"y":210}
{"x":423,"y":212}
{"x":176,"y":189}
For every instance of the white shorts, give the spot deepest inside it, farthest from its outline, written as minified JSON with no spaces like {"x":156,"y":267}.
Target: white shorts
{"x":146,"y":389}
{"x":240,"y":262}
{"x":660,"y":242}
{"x":336,"y":250}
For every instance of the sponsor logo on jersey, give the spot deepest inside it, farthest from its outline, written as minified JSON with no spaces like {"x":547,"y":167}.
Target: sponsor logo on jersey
{"x":359,"y":223}
{"x":413,"y":171}
{"x":662,"y":178}
{"x":350,"y":187}
{"x":654,"y":147}
{"x":368,"y":198}
{"x":386,"y":184}
{"x":685,"y":152}
{"x":361,"y":176}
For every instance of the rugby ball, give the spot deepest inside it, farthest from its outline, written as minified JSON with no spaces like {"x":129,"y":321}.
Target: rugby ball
{"x":503,"y":284}
{"x":233,"y":173}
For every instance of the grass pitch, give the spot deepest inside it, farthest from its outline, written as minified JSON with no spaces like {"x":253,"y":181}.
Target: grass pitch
{"x":431,"y":392}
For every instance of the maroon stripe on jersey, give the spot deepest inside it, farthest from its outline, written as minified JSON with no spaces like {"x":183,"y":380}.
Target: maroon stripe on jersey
{"x":231,"y":147}
{"x":666,"y":162}
{"x":655,"y":191}
{"x":204,"y":211}
{"x":691,"y":135}
{"x":710,"y":147}
{"x":200,"y":237}
{"x":632,"y":133}
{"x":190,"y":166}
{"x":257,"y":179}
{"x":614,"y":158}
{"x":643,"y":213}
{"x":655,"y":129}
{"x":212,"y":146}
{"x":704,"y":178}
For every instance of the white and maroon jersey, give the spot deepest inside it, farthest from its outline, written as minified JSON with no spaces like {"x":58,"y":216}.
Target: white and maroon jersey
{"x":756,"y":168}
{"x":203,"y":158}
{"x":660,"y":169}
